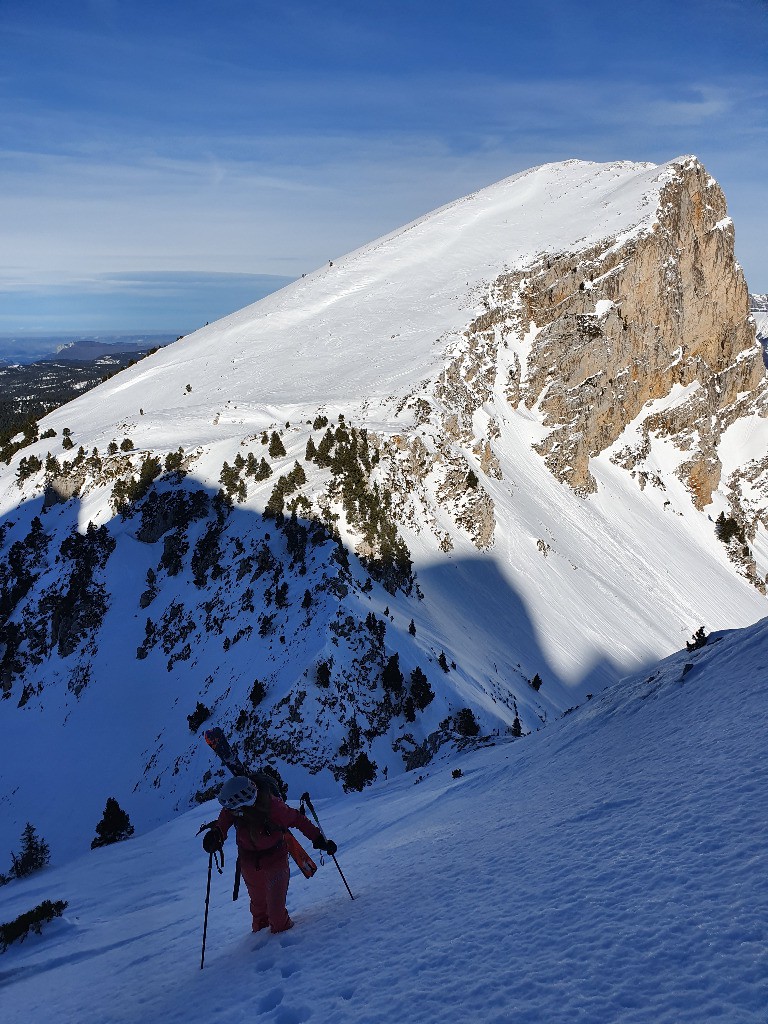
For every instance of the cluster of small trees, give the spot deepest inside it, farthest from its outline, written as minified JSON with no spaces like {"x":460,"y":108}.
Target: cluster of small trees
{"x":129,"y":491}
{"x":114,"y":827}
{"x":198,"y":716}
{"x":18,"y":573}
{"x":697,"y":641}
{"x":230,"y":479}
{"x":32,"y":921}
{"x":286,"y":484}
{"x":81,"y":604}
{"x":420,"y":694}
{"x":28,"y":466}
{"x":10,"y":442}
{"x":726,"y":528}
{"x":347,"y":453}
{"x":359,"y":773}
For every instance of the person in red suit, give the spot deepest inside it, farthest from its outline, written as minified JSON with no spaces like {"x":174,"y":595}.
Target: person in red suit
{"x":261,"y":820}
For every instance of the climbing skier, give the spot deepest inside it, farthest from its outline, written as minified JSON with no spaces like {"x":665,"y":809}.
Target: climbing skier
{"x":261,"y":821}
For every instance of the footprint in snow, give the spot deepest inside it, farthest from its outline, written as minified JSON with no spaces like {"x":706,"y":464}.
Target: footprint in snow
{"x":271,"y":1000}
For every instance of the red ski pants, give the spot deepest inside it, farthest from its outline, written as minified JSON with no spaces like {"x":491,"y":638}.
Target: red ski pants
{"x":267,"y":887}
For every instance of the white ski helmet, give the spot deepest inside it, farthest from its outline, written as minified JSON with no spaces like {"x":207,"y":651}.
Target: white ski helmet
{"x":238,"y":792}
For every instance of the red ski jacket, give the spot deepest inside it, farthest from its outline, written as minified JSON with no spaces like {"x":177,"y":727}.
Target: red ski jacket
{"x":260,"y":836}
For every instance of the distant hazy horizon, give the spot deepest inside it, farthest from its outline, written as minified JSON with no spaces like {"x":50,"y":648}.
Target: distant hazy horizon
{"x":29,"y":347}
{"x":168,"y":302}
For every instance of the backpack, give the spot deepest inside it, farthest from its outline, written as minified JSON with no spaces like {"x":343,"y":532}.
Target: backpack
{"x":268,"y":778}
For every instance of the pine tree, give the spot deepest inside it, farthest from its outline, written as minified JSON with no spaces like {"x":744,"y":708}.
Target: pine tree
{"x":466,"y":723}
{"x":322,"y":454}
{"x":263,"y":470}
{"x":276,"y":447}
{"x":421,"y":692}
{"x":726,"y":528}
{"x":698,"y":640}
{"x":412,"y":628}
{"x":114,"y":827}
{"x":258,"y":692}
{"x":174,"y":461}
{"x":392,"y":677}
{"x":297,"y":475}
{"x":35,"y":853}
{"x":359,"y":773}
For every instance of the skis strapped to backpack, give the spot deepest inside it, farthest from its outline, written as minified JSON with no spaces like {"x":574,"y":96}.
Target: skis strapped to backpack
{"x":219,"y":744}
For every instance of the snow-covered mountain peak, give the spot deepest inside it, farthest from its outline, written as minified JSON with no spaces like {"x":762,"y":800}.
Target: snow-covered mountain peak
{"x":379,"y":320}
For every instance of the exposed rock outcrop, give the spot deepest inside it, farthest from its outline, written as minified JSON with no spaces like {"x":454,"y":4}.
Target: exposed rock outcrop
{"x":624,"y":323}
{"x":652,"y":328}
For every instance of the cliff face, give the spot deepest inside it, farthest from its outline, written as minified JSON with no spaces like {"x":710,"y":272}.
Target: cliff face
{"x":589,"y":342}
{"x":621,"y":325}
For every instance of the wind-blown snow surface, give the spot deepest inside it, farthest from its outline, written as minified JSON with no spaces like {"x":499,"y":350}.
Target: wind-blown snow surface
{"x":378,"y":320}
{"x":610,"y":869}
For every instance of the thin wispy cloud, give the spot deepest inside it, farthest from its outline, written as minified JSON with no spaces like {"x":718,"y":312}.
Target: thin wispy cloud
{"x":267,"y":139}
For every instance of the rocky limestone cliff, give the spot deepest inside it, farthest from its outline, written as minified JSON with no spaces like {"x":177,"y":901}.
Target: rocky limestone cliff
{"x":588,"y":341}
{"x":622,"y":324}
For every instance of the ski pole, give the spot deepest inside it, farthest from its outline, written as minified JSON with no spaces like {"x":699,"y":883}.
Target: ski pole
{"x":306,"y":800}
{"x":219,"y":868}
{"x":207,"y":899}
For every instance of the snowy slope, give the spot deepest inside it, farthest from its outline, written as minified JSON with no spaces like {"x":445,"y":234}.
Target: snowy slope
{"x":376,"y":322}
{"x":610,"y":868}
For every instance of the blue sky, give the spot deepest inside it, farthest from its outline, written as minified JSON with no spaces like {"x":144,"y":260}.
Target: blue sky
{"x":162,"y":164}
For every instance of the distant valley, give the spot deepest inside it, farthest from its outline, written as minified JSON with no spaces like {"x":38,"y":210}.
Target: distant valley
{"x":29,"y":391}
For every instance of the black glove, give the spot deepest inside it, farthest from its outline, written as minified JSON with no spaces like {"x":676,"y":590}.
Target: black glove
{"x":212,"y":840}
{"x":326,"y":845}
